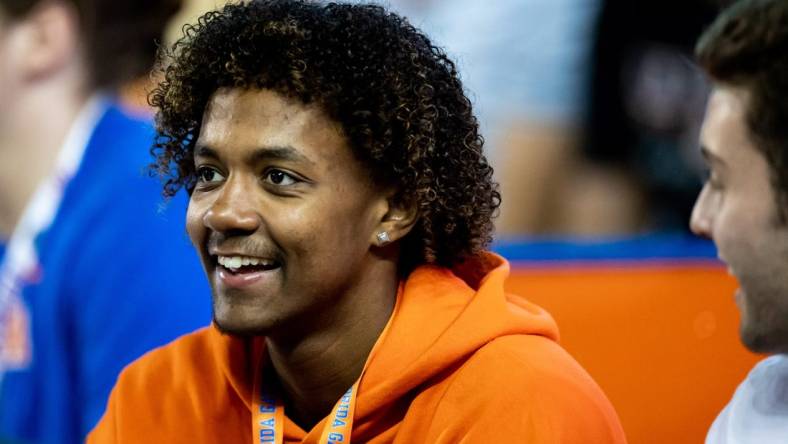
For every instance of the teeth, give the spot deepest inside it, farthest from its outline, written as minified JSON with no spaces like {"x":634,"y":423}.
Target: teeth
{"x":236,"y":262}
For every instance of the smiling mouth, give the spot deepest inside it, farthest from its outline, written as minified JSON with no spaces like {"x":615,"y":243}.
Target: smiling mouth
{"x":246,"y":264}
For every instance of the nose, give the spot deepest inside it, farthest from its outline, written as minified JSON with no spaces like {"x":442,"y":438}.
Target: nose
{"x":700,"y":220}
{"x":233,"y":210}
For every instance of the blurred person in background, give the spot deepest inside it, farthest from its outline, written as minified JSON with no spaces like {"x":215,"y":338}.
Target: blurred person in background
{"x":646,"y":100}
{"x":94,"y":270}
{"x":743,"y":206}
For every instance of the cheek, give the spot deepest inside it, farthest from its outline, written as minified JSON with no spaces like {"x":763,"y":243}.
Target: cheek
{"x":744,"y":242}
{"x":323,"y":235}
{"x":730,"y":243}
{"x":731,"y":225}
{"x":309,"y":233}
{"x":194,"y":223}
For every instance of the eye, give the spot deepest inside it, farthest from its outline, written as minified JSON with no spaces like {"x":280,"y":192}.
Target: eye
{"x":206,"y":174}
{"x":279,"y":177}
{"x":714,"y":182}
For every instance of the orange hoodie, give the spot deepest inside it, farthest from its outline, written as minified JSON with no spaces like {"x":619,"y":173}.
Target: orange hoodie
{"x":459,"y":361}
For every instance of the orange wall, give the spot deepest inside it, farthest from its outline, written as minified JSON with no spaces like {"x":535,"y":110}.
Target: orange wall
{"x":661,"y":340}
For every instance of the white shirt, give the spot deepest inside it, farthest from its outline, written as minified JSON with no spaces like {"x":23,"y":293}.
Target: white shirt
{"x":758,"y":411}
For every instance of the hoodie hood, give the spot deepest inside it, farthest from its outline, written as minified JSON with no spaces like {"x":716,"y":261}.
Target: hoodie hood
{"x":441,"y":318}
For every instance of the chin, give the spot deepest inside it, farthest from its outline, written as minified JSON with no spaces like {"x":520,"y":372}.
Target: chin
{"x":238,"y":321}
{"x":235,"y":328}
{"x":764,"y":325}
{"x":762,"y":339}
{"x":754,"y":342}
{"x":752,"y":333}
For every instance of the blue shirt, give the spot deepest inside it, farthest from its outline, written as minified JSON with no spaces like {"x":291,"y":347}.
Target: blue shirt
{"x":119,"y":277}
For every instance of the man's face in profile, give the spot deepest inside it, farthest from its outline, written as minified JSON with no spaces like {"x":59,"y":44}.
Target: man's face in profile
{"x":737,"y":209}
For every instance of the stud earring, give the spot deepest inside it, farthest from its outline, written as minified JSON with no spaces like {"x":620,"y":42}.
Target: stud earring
{"x":383,"y":238}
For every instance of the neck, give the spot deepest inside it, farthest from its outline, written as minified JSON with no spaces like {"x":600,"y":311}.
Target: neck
{"x":316,"y":368}
{"x":32,"y":130}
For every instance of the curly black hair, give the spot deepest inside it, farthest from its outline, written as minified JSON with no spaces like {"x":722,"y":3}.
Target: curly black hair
{"x":397,"y":96}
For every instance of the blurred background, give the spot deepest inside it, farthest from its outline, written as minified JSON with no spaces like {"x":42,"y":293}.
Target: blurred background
{"x":591,"y":111}
{"x":591,"y":108}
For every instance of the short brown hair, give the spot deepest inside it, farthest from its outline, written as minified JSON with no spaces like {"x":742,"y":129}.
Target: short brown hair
{"x":120,"y":36}
{"x":747,"y":47}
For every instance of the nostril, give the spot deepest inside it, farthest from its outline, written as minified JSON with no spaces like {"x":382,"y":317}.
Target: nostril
{"x":237,"y":232}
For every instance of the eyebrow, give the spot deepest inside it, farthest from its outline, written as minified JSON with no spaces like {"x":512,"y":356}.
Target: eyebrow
{"x":286,"y":153}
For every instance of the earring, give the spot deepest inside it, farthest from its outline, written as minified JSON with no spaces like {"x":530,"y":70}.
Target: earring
{"x":383,"y":238}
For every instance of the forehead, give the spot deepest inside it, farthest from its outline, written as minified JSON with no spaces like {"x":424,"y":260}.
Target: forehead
{"x":725,"y":134}
{"x":242,"y":119}
{"x":242,"y":108}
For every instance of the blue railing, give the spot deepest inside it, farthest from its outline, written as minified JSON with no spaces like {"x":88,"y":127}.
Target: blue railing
{"x":661,"y":247}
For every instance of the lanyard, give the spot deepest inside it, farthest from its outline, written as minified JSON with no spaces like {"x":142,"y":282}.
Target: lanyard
{"x":269,"y":415}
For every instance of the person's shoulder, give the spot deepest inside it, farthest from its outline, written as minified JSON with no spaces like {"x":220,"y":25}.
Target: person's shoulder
{"x":163,"y":390}
{"x":775,"y":365}
{"x":122,"y":130}
{"x":525,"y":360}
{"x":529,"y":386}
{"x":528,"y":370}
{"x":764,"y":381}
{"x":166,"y":368}
{"x":194,"y":344}
{"x":118,"y":155}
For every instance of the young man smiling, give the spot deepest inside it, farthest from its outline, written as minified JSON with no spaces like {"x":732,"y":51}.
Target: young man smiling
{"x":341,"y":205}
{"x":744,"y":204}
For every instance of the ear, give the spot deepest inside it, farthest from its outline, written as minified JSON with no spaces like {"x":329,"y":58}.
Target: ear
{"x":49,"y":39}
{"x":397,"y":221}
